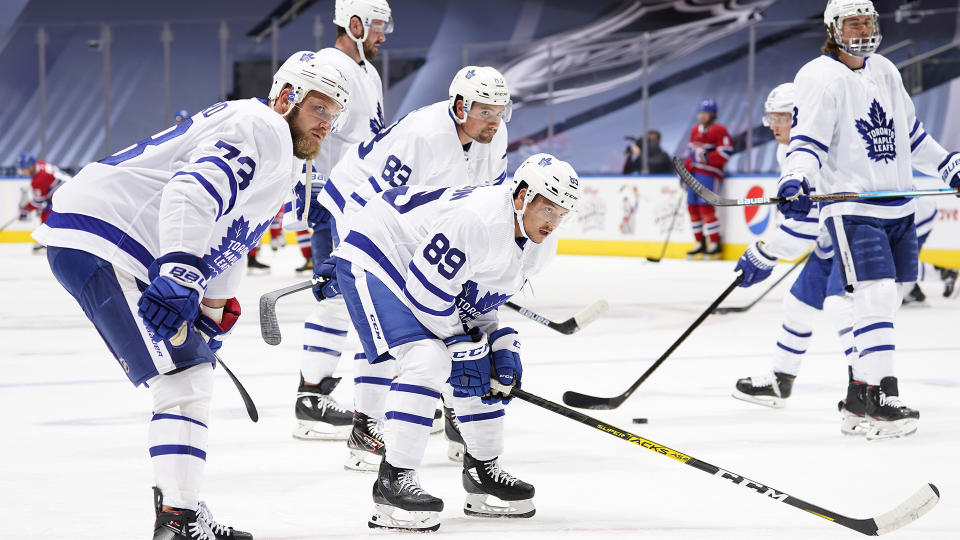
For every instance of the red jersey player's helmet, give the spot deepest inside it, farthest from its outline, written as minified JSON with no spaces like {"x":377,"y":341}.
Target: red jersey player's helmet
{"x":708,"y":105}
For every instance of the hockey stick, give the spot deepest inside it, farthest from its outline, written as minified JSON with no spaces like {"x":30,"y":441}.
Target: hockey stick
{"x":666,"y":241}
{"x":584,"y":401}
{"x":9,"y":223}
{"x":571,"y":325}
{"x":269,"y":326}
{"x":908,"y":511}
{"x":740,"y":309}
{"x":717,"y":200}
{"x":247,"y":400}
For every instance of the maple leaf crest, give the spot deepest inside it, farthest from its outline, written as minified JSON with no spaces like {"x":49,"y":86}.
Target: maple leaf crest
{"x":377,"y":124}
{"x":471,"y":307}
{"x":237,"y":241}
{"x":878,"y":134}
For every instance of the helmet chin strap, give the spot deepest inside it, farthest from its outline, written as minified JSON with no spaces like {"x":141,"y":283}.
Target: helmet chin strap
{"x":518,"y":214}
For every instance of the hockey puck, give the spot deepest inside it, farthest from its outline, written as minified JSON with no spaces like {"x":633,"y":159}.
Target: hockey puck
{"x":639,"y":420}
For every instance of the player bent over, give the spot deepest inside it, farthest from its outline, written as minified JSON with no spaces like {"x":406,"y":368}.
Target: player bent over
{"x":423,"y":271}
{"x":150,"y":242}
{"x":857,"y":128}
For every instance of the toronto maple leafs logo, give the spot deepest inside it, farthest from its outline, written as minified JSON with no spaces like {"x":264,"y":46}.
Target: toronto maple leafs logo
{"x":470,"y":74}
{"x":307,"y":56}
{"x":377,"y":124}
{"x":470,"y":306}
{"x":878,"y":133}
{"x":544,"y":161}
{"x":234,"y":244}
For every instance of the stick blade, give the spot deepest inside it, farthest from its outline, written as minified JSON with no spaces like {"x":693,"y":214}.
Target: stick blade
{"x":726,"y":310}
{"x":591,"y":313}
{"x":696,"y":186}
{"x":269,"y":326}
{"x":909,"y":511}
{"x":583,"y":401}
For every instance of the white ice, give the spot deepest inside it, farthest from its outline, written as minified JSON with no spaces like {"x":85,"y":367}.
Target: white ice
{"x":74,"y":464}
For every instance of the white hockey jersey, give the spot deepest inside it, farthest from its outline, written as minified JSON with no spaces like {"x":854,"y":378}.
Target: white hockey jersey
{"x":420,"y":149}
{"x":859,"y":129}
{"x":208,"y":186}
{"x":449,"y":253}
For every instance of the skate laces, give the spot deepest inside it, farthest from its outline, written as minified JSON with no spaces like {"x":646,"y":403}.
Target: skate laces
{"x":499,"y":475}
{"x":376,"y":428}
{"x":329,"y":402}
{"x":765,"y":379}
{"x":204,"y":515}
{"x":407,"y":481}
{"x":200,"y":529}
{"x":893,"y":401}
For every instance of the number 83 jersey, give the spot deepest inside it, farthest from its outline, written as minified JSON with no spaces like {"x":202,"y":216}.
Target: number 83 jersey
{"x":208,"y":186}
{"x":449,"y":254}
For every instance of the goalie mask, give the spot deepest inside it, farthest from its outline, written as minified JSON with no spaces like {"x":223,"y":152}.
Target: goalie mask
{"x":833,"y":17}
{"x":551,"y":178}
{"x":483,"y":84}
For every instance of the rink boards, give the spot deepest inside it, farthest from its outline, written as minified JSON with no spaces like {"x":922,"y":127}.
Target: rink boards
{"x":630,"y":216}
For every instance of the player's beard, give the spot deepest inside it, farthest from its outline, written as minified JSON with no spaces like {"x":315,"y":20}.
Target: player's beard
{"x":304,"y":144}
{"x":483,"y":136}
{"x":369,"y":51}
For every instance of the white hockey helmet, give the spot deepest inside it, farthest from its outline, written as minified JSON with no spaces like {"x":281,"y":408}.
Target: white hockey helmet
{"x":549,"y":177}
{"x":780,"y":100}
{"x":480,"y":83}
{"x":367,"y":11}
{"x":838,"y":10}
{"x":303,"y":72}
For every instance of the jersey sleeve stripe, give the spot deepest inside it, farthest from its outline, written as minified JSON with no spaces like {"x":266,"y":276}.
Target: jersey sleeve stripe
{"x":222,"y":165}
{"x":206,"y":185}
{"x":334,"y":194}
{"x":916,"y":124}
{"x":499,"y":180}
{"x":811,"y":140}
{"x":359,"y":200}
{"x":425,"y":309}
{"x":916,"y":143}
{"x":429,"y":286}
{"x":103,"y":229}
{"x":365,"y":245}
{"x":376,"y":186}
{"x":809,"y":151}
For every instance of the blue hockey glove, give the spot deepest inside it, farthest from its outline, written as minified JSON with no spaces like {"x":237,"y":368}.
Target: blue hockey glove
{"x":173,"y":296}
{"x":795,"y":189}
{"x":755,"y":264}
{"x":215,"y":331}
{"x":470,"y":369}
{"x":950,"y":170}
{"x":505,"y":349}
{"x":325,"y":280}
{"x":317,"y":213}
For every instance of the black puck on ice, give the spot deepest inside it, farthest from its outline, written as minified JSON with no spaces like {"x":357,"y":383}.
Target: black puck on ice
{"x":639,"y":420}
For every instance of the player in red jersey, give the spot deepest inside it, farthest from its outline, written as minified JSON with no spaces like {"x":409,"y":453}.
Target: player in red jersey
{"x":45,"y":179}
{"x":709,"y":149}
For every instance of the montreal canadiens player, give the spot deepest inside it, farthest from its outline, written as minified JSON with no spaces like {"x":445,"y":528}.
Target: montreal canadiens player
{"x":150,"y":242}
{"x":423,"y":271}
{"x":857,"y":128}
{"x":709,"y":150}
{"x":45,"y":179}
{"x":462,"y":140}
{"x":362,"y":26}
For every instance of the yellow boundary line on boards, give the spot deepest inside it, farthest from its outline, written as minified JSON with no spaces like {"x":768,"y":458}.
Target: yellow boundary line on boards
{"x":947,"y":258}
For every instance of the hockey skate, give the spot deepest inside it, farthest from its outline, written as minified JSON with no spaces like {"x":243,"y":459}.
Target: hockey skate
{"x":700,"y":248}
{"x":256,"y":267}
{"x":949,"y":278}
{"x":188,"y":524}
{"x":484,"y":480}
{"x":915,"y":296}
{"x":365,"y":444}
{"x":889,"y":417}
{"x":401,"y":503}
{"x":451,"y":430}
{"x":220,"y":531}
{"x":853,"y":419}
{"x":714,"y":252}
{"x":770,"y":389}
{"x":319,"y":416}
{"x":307,"y":267}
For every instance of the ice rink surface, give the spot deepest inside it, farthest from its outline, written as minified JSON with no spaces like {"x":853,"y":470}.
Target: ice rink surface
{"x":74,"y":464}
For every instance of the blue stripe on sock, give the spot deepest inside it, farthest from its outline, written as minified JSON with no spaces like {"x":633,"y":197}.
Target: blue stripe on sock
{"x":871,"y":327}
{"x":849,"y":351}
{"x":166,"y":416}
{"x":411,"y":418}
{"x":878,"y":348}
{"x":320,"y":328}
{"x":324,"y":350}
{"x":414,"y":389}
{"x":382,"y":381}
{"x":794,"y":332}
{"x":175,"y":449}
{"x":481,"y":416}
{"x":788,"y":349}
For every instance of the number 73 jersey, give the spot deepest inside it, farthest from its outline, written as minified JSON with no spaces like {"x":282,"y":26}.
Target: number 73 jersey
{"x":448,"y":253}
{"x":208,"y":186}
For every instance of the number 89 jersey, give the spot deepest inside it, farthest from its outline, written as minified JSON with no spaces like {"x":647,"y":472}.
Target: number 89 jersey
{"x":448,"y":253}
{"x":208,"y":186}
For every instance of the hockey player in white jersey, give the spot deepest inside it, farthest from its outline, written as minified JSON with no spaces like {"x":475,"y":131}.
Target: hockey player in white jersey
{"x":459,"y":141}
{"x":857,"y":128}
{"x":362,"y":26}
{"x":423,"y":271}
{"x":151,"y":241}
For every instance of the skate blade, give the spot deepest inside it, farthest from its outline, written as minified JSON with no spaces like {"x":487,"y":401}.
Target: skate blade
{"x":455,"y":451}
{"x":362,"y":461}
{"x":489,"y":506}
{"x":321,"y":431}
{"x":852,"y":425}
{"x":881,"y":431}
{"x":766,"y":401}
{"x":391,"y":517}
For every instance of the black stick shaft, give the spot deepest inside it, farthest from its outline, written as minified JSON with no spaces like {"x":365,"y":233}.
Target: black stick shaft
{"x":741,"y":309}
{"x":865,"y":526}
{"x":247,"y":400}
{"x":533,"y":316}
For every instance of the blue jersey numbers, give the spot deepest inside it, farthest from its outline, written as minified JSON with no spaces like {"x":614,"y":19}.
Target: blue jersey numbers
{"x":448,"y":260}
{"x":394,"y":172}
